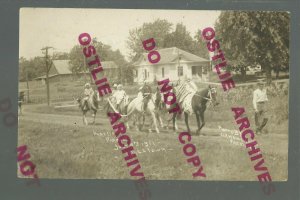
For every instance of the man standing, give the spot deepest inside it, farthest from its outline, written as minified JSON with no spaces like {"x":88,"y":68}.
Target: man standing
{"x":260,"y":100}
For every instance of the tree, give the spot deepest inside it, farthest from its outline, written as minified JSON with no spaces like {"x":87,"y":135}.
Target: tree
{"x":61,"y":56}
{"x":33,"y":68}
{"x":78,"y":61}
{"x":182,"y":39}
{"x":199,"y":47}
{"x":159,"y":29}
{"x":251,"y":38}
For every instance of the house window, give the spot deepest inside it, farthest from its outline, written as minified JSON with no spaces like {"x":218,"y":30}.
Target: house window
{"x":162,"y":72}
{"x":204,"y":69}
{"x":196,"y":70}
{"x":180,"y":71}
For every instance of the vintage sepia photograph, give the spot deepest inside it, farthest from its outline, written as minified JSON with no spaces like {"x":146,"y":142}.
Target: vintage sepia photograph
{"x":153,"y":94}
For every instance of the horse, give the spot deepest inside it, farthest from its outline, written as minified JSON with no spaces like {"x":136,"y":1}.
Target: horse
{"x":90,"y":105}
{"x":197,"y":105}
{"x":111,"y":106}
{"x":135,"y":108}
{"x":161,"y":109}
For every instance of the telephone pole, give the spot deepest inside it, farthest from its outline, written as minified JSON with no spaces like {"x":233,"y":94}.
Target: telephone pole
{"x":47,"y":72}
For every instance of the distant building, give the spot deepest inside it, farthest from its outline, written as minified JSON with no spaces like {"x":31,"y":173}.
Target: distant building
{"x":61,"y":71}
{"x":174,"y":64}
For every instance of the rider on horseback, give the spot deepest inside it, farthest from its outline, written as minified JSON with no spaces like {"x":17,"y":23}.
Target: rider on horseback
{"x":120,"y":95}
{"x":88,"y":92}
{"x":146,"y":92}
{"x":185,"y":88}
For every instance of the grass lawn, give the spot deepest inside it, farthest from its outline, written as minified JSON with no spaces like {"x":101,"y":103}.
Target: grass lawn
{"x":87,"y":152}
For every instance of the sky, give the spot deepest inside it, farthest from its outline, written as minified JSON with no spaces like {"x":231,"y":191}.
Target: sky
{"x":60,"y":27}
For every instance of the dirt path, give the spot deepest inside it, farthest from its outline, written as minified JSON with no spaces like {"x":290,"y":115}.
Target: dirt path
{"x":266,"y":141}
{"x":52,"y":118}
{"x":77,"y":120}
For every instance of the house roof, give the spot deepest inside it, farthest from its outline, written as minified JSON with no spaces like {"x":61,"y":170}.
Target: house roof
{"x":169,"y":55}
{"x":44,"y":76}
{"x":108,"y":64}
{"x":62,"y":66}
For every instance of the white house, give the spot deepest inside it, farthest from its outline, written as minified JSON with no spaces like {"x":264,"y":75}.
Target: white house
{"x":174,"y":64}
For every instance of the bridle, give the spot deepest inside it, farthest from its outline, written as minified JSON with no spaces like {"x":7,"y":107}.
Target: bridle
{"x":209,"y":95}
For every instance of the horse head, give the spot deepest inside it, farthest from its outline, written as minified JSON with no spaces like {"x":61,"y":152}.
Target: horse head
{"x":212,"y":95}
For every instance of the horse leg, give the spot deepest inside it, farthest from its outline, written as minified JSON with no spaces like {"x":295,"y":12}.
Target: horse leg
{"x":198,"y":121}
{"x":154,"y":122}
{"x":135,"y":120}
{"x":157,"y":116}
{"x":168,"y":121}
{"x":85,"y":122}
{"x":202,"y":119}
{"x":186,"y":119}
{"x":127,"y":125}
{"x":161,"y":122}
{"x":94,"y":115}
{"x":174,"y":122}
{"x":138,"y":119}
{"x":143,"y":121}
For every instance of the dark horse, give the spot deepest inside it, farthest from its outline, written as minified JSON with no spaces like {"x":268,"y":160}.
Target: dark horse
{"x":90,"y":105}
{"x":199,"y":101}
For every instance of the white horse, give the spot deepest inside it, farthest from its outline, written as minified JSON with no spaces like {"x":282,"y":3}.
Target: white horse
{"x":111,"y":106}
{"x":135,"y":108}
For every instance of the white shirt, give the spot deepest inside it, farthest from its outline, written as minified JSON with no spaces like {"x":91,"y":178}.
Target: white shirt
{"x":119,"y":94}
{"x":259,"y":96}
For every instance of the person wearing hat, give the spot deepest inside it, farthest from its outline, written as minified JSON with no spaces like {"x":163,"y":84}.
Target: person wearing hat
{"x":146,"y":92}
{"x":21,"y":99}
{"x":88,"y":92}
{"x":115,"y":86}
{"x":260,"y":100}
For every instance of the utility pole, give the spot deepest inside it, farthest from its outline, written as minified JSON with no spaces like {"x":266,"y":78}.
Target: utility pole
{"x":178,"y":63}
{"x":27,"y":84}
{"x":47,"y":72}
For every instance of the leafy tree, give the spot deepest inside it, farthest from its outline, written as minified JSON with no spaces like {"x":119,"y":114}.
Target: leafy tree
{"x":159,"y":29}
{"x":251,"y":38}
{"x":33,"y":67}
{"x":61,"y":56}
{"x":199,"y":46}
{"x":182,"y":39}
{"x":78,"y":61}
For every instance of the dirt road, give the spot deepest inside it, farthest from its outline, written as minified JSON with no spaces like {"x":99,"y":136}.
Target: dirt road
{"x":267,"y":141}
